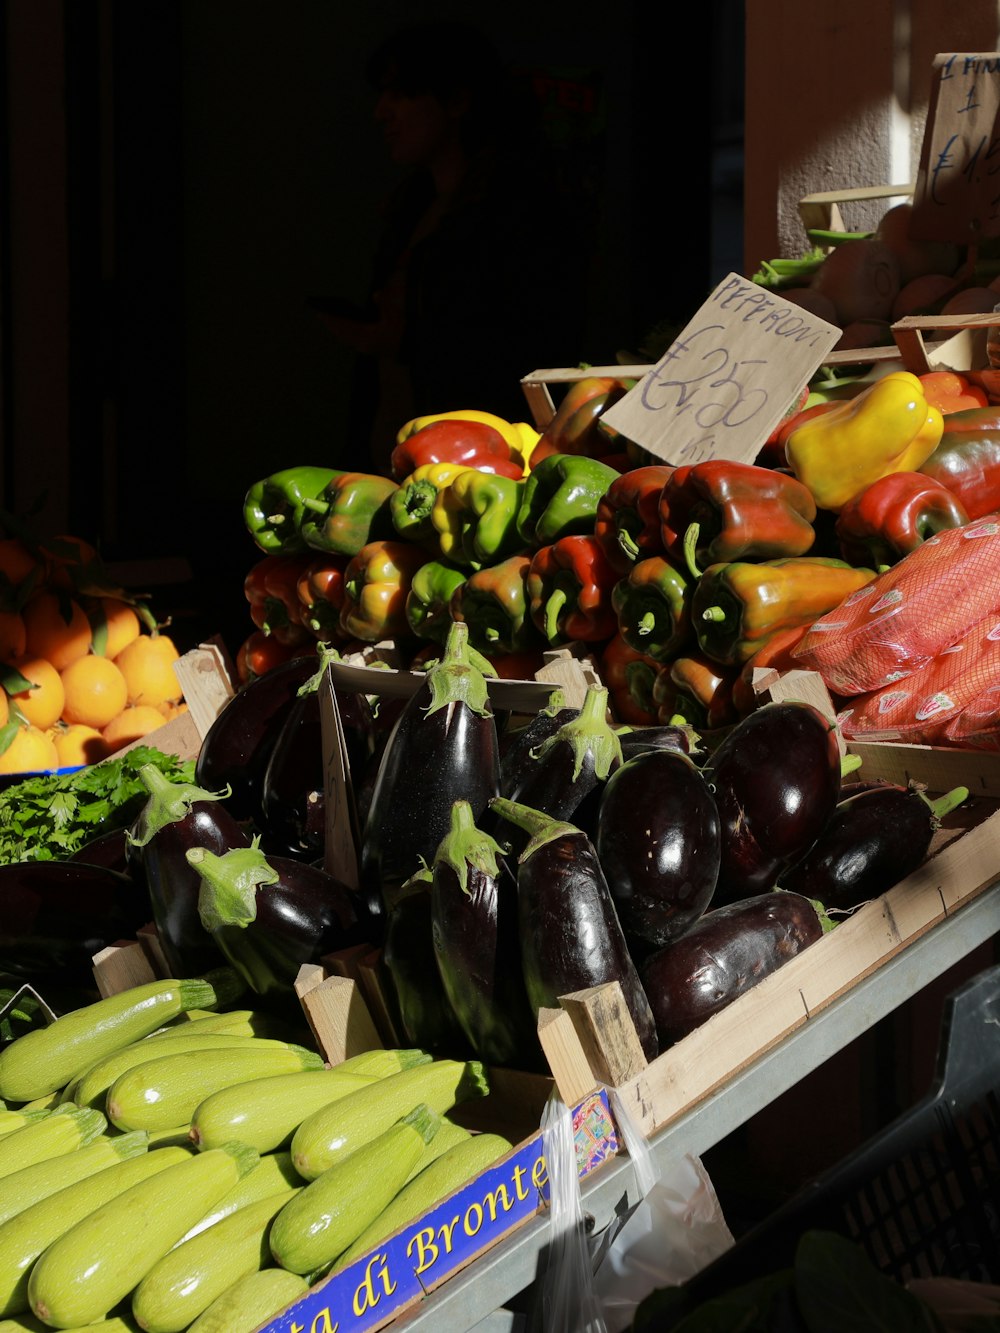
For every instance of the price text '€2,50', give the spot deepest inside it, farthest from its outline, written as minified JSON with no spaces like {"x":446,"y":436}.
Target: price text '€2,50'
{"x":707,"y":390}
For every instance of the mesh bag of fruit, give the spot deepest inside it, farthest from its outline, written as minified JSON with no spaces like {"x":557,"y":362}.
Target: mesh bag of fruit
{"x":978,"y":724}
{"x":920,"y":707}
{"x":908,"y":615}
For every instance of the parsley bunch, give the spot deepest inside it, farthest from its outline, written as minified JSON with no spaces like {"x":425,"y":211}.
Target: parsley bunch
{"x":49,"y":817}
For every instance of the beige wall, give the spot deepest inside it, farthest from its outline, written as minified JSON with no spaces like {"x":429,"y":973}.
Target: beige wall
{"x":836,"y":98}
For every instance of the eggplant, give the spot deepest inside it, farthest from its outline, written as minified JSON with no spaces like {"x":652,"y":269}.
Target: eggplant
{"x":569,"y":930}
{"x":443,"y":748}
{"x":873,"y":839}
{"x":723,"y":955}
{"x":565,"y":775}
{"x":670,"y":736}
{"x":176,"y":817}
{"x":108,"y":849}
{"x":516,"y":750}
{"x":477,"y":945}
{"x":422,"y":1005}
{"x":237,"y":746}
{"x":776,"y":779}
{"x":292,"y":805}
{"x":270,"y":914}
{"x":55,"y":915}
{"x":658,"y":838}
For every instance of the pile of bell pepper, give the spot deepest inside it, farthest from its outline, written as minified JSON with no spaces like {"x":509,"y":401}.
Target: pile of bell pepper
{"x":679,"y":581}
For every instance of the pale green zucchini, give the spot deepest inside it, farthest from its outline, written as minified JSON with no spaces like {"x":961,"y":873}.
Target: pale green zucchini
{"x":251,"y":1302}
{"x":47,"y":1058}
{"x":326,"y":1216}
{"x":28,"y":1324}
{"x":239,"y":1021}
{"x":102,"y":1258}
{"x":338,"y":1129}
{"x":45,"y":1103}
{"x":435,"y":1182}
{"x":266,"y":1112}
{"x":273,"y":1175}
{"x":185,"y":1282}
{"x":64,"y":1130}
{"x":166,"y":1092}
{"x":11,"y":1120}
{"x":24,"y":1237}
{"x":33,"y":1183}
{"x":448,"y":1136}
{"x":176,"y":1136}
{"x":381,"y":1063}
{"x":91,"y":1087}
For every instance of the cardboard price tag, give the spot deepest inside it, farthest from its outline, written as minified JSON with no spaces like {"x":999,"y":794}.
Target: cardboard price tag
{"x":957,"y":195}
{"x":724,"y":384}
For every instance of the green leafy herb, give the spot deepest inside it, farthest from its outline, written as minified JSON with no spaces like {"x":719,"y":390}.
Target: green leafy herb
{"x":50,"y":817}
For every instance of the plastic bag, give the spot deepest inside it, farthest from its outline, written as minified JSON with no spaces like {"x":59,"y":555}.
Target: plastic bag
{"x":568,"y":1303}
{"x":676,"y":1229}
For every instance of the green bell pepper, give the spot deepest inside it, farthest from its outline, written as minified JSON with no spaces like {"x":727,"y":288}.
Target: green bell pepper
{"x":352,"y":510}
{"x":561,"y":496}
{"x":275,"y":506}
{"x":494,"y":603}
{"x":475,"y":518}
{"x":653,"y":606}
{"x":428,"y":603}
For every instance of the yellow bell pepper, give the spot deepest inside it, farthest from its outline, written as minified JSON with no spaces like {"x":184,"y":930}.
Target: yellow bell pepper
{"x":411,"y":504}
{"x":528,"y":437}
{"x":890,"y":427}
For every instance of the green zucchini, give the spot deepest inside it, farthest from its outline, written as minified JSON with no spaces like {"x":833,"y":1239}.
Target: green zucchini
{"x":167,"y":1091}
{"x":33,"y":1183}
{"x":251,"y":1302}
{"x":338,"y":1129}
{"x":28,"y":1324}
{"x":24,"y":1237}
{"x":47,"y":1058}
{"x":45,"y":1103}
{"x":448,"y":1136}
{"x":11,"y":1120}
{"x":273,"y":1175}
{"x":90,"y":1088}
{"x":327,"y":1215}
{"x":266,"y":1112}
{"x":185,"y":1282}
{"x":381,"y":1063}
{"x":64,"y":1130}
{"x":435,"y":1182}
{"x":102,"y":1258}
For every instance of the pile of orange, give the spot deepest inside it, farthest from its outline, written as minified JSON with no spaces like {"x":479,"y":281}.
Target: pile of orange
{"x":98,"y":676}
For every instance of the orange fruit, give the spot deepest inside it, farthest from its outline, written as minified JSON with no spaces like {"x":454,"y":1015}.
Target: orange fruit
{"x":31,"y":751}
{"x":171,"y":710}
{"x":56,"y":628}
{"x":95,"y":691}
{"x":13,"y":635}
{"x":131,"y":724}
{"x":42,"y":704}
{"x":115,"y":624}
{"x":147,"y":665}
{"x":16,"y":561}
{"x":78,"y":744}
{"x":4,"y":708}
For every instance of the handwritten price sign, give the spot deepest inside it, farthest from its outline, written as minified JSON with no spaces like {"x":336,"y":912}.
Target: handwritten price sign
{"x":957,"y":195}
{"x":727,"y":380}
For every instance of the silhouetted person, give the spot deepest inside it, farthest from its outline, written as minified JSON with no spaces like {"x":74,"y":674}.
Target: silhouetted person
{"x":479,"y":275}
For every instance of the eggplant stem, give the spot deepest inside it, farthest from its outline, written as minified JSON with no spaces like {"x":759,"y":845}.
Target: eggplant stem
{"x":944,"y":805}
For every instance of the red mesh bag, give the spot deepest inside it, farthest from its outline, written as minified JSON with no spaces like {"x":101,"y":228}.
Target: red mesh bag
{"x":920,"y":707}
{"x":978,"y":724}
{"x":903,"y":619}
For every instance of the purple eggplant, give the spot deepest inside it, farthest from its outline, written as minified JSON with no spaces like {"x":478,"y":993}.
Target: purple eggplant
{"x":108,"y":849}
{"x":55,"y":915}
{"x":565,"y":775}
{"x":237,"y":746}
{"x":270,"y":914}
{"x":776,"y":779}
{"x":571,"y":937}
{"x":176,"y":817}
{"x":477,"y":945}
{"x":443,"y":748}
{"x":659,"y":841}
{"x":292,"y":806}
{"x":517,"y":746}
{"x":670,"y":736}
{"x":725,"y":953}
{"x":872,"y":840}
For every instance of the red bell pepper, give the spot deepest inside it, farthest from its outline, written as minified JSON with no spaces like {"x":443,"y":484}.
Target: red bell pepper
{"x":951,"y":392}
{"x":967,"y":459}
{"x":270,"y":586}
{"x":473,"y":443}
{"x":569,"y":587}
{"x":321,"y":593}
{"x":719,"y":511}
{"x":772,"y":451}
{"x":776,"y":654}
{"x":629,"y":676}
{"x":627,"y":523}
{"x":576,"y":427}
{"x":696,"y":690}
{"x":893,"y":515}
